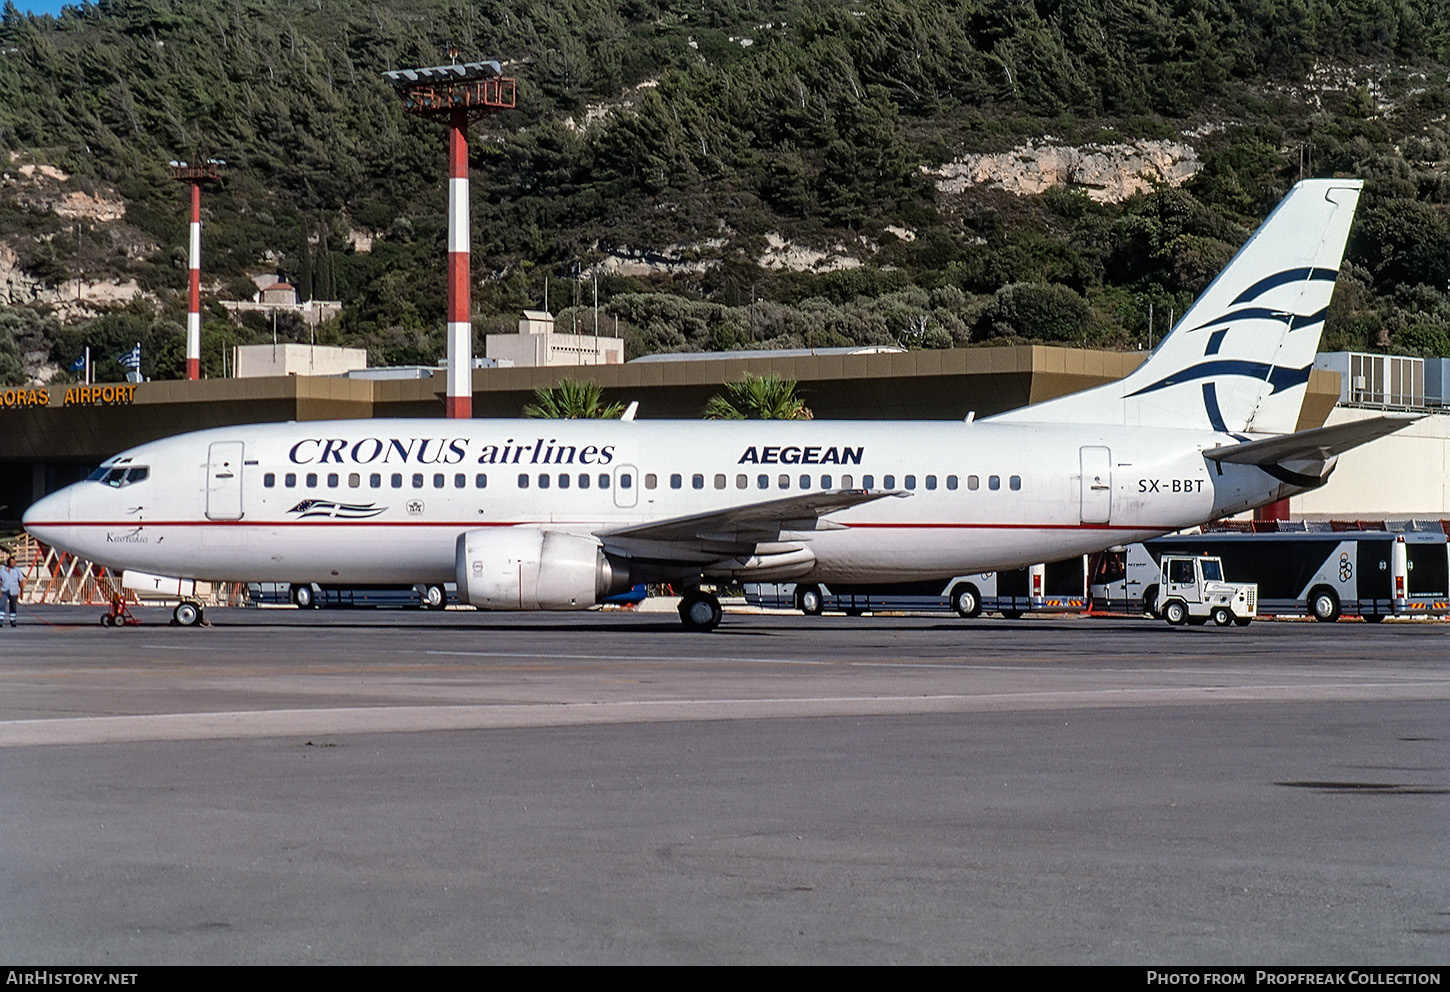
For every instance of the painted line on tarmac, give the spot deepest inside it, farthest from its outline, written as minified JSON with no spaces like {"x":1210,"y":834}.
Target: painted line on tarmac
{"x":314,"y":722}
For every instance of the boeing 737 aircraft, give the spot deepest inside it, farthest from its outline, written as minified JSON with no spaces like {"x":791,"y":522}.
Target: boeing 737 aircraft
{"x":556,"y":515}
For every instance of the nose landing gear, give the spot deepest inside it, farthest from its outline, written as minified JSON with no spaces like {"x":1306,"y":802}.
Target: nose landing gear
{"x":187,"y":615}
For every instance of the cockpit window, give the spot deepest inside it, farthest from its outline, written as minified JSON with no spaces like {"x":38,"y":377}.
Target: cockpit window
{"x":117,"y":476}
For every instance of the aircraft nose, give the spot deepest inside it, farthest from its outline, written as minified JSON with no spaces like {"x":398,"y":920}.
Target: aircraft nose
{"x":49,"y":517}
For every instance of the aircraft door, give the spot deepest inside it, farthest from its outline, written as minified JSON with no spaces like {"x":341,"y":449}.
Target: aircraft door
{"x":626,"y":486}
{"x":224,"y":481}
{"x":1097,"y":485}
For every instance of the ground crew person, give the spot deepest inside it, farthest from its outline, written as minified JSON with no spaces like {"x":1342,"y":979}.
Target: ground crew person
{"x":10,"y":587}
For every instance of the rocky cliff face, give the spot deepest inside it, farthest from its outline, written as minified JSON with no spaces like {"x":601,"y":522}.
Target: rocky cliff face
{"x":1107,"y":173}
{"x":36,"y":188}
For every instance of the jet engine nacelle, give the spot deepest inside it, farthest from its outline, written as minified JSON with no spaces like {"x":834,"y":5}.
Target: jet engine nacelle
{"x":521,"y":568}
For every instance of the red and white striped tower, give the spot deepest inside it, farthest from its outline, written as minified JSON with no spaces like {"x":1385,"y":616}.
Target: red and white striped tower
{"x":193,"y":313}
{"x":457,"y":94}
{"x":459,"y":400}
{"x":194,"y":176}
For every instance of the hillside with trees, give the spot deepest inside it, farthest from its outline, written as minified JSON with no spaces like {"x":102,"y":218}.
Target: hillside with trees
{"x":734,"y":174}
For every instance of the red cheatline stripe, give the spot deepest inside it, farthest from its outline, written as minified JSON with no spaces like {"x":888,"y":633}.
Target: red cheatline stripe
{"x":334,"y":522}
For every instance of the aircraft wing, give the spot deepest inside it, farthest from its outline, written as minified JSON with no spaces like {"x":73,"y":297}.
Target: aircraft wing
{"x":737,"y":530}
{"x":1318,"y":444}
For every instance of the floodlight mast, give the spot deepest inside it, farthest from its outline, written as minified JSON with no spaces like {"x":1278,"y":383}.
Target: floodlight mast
{"x":458,"y":94}
{"x":194,"y":175}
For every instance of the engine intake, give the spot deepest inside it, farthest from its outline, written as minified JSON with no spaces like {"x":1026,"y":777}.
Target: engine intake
{"x":521,"y":568}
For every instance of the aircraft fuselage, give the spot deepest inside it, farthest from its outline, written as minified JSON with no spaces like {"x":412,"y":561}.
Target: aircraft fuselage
{"x":384,"y":501}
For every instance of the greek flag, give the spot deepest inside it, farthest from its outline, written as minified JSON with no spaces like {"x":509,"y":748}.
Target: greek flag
{"x":131,"y":359}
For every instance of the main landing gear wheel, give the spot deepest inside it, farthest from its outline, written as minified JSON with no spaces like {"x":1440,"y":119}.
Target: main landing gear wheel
{"x":700,"y":610}
{"x":808,"y":600}
{"x":186,"y":615}
{"x":966,"y":601}
{"x":434,"y":598}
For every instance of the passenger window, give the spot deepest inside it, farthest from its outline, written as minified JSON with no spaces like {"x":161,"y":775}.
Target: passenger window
{"x":650,"y":481}
{"x":675,"y":480}
{"x":397,"y":480}
{"x":376,"y":480}
{"x":290,"y":480}
{"x":848,"y":482}
{"x":354,"y":479}
{"x":332,"y":480}
{"x":911,"y":482}
{"x":417,"y":480}
{"x":994,"y":482}
{"x":951,"y":482}
{"x":784,"y":481}
{"x":583,"y":480}
{"x":625,"y":481}
{"x":438,"y":480}
{"x":1015,"y":483}
{"x":868,"y":482}
{"x":604,"y":480}
{"x":311,"y":480}
{"x":742,"y":481}
{"x":523,"y":480}
{"x":972,"y":482}
{"x":563,"y":480}
{"x":543,"y":480}
{"x":825,"y":482}
{"x":460,"y":481}
{"x":889,"y":482}
{"x":762,"y":482}
{"x":719,"y":482}
{"x":697,"y":481}
{"x":931,"y":482}
{"x":480,"y":481}
{"x":269,"y":480}
{"x":805,"y":482}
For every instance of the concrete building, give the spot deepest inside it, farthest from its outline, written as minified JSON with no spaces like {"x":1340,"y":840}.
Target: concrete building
{"x":538,"y":345}
{"x":275,"y":296}
{"x":253,"y":361}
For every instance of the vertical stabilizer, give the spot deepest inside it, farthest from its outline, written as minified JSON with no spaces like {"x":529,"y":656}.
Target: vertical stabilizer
{"x":1239,"y":359}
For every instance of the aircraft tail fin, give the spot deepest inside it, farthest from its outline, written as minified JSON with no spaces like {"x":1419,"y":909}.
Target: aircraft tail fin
{"x":1239,"y":359}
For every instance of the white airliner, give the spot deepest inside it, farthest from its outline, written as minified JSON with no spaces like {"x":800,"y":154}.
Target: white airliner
{"x":556,"y":515}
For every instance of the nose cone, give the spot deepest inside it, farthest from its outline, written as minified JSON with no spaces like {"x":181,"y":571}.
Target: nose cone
{"x":48,"y":519}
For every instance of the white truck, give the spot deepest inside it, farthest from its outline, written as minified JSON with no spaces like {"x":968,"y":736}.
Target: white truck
{"x":1192,"y":590}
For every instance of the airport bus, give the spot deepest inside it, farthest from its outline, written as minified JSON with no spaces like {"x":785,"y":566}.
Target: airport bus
{"x":1055,"y":587}
{"x":1323,"y":574}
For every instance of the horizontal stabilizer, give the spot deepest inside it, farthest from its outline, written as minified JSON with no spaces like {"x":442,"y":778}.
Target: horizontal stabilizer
{"x":1318,"y":444}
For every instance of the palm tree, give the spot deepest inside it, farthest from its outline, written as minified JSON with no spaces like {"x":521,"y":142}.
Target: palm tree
{"x":571,"y":400}
{"x":758,"y":397}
